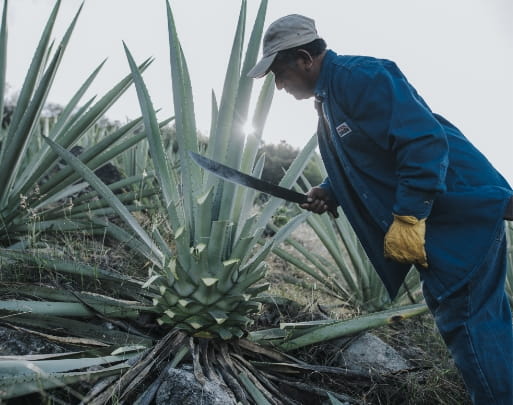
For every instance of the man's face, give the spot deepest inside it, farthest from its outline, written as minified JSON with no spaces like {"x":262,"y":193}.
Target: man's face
{"x":294,"y":77}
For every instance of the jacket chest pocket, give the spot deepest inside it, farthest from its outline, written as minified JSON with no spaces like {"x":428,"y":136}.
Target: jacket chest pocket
{"x":356,"y":147}
{"x":347,"y":134}
{"x":361,"y":151}
{"x":340,"y":126}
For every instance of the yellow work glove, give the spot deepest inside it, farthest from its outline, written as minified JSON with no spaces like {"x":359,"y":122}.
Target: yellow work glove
{"x":405,"y":239}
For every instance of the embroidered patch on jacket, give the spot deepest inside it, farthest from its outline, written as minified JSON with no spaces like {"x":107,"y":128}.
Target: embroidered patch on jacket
{"x":343,"y":129}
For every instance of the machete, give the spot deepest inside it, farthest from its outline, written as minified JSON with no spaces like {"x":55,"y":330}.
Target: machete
{"x":235,"y":176}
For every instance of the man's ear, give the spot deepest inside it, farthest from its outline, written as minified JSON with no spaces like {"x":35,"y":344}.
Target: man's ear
{"x":306,"y":57}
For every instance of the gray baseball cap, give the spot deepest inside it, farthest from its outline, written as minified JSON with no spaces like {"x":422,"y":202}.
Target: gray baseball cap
{"x":285,"y":33}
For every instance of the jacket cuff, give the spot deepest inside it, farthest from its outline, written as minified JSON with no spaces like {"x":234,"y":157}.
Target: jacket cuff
{"x":413,"y":203}
{"x":326,"y":185}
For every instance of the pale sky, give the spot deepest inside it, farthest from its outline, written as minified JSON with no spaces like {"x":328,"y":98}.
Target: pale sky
{"x":457,"y":53}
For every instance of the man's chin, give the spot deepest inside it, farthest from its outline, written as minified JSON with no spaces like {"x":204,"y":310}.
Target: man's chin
{"x":301,"y":96}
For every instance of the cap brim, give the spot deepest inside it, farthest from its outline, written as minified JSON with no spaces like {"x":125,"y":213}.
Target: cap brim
{"x":262,"y":67}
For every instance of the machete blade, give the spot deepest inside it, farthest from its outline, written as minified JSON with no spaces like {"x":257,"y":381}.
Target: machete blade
{"x":235,"y":176}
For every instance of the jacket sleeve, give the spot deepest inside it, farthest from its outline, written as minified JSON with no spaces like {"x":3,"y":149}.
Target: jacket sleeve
{"x":389,"y":111}
{"x":326,"y":185}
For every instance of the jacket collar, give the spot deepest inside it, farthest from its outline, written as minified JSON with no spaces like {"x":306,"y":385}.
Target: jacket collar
{"x":320,"y":90}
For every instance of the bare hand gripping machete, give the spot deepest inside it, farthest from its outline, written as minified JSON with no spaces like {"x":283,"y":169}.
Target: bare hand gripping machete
{"x":235,"y":176}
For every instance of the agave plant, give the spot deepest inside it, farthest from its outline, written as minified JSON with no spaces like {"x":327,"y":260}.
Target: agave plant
{"x":32,"y":188}
{"x":206,"y":283}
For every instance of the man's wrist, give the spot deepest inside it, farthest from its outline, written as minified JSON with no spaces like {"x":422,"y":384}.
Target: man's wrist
{"x":409,"y":219}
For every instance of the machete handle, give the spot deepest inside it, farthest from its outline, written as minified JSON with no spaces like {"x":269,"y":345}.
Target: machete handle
{"x":332,"y":208}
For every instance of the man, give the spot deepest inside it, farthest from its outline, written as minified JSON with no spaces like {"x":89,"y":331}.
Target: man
{"x":415,"y":190}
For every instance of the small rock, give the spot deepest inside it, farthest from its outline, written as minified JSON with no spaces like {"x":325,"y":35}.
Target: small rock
{"x":370,"y":353}
{"x":181,"y":387}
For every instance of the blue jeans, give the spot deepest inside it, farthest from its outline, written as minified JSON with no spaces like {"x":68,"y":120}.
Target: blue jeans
{"x":475,"y":323}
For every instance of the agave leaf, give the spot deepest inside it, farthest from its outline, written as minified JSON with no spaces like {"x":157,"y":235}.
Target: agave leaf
{"x":242,"y":101}
{"x":226,"y":132}
{"x":219,"y":242}
{"x":285,"y":230}
{"x":34,"y":171}
{"x":67,"y":112}
{"x":70,"y":267}
{"x":61,"y":195}
{"x":218,"y":146}
{"x":118,"y":185}
{"x":25,"y":367}
{"x":125,"y":198}
{"x":29,"y":84}
{"x":318,"y":272}
{"x":60,"y":225}
{"x":73,"y":129}
{"x":80,"y":125}
{"x":126,"y":238}
{"x":263,"y":105}
{"x":23,"y":129}
{"x":181,"y":219}
{"x":48,"y":308}
{"x":215,"y":117}
{"x":244,"y":197}
{"x":58,"y":294}
{"x":73,"y":309}
{"x":326,"y":235}
{"x":17,"y":143}
{"x":255,"y":393}
{"x":31,"y":357}
{"x":107,"y":194}
{"x":246,"y":83}
{"x":67,"y":175}
{"x":278,"y":238}
{"x":84,"y":122}
{"x":204,"y":204}
{"x":352,"y":326}
{"x":109,"y":212}
{"x":71,"y":327}
{"x":186,"y":134}
{"x":17,"y":386}
{"x":169,"y":186}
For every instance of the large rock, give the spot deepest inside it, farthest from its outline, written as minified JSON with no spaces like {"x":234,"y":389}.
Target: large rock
{"x":180,"y":387}
{"x":369,"y":353}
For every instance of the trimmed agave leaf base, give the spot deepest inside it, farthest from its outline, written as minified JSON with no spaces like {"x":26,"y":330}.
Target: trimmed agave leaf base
{"x":249,"y":372}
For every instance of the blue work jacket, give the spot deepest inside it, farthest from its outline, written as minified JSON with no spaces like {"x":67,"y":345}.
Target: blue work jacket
{"x":386,"y":152}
